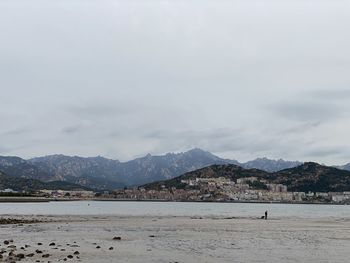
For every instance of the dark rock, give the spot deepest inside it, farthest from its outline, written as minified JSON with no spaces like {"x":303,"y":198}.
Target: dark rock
{"x":20,"y":256}
{"x":6,"y":242}
{"x":117,"y":238}
{"x":98,"y":247}
{"x":111,"y":248}
{"x":38,"y":251}
{"x":52,"y":244}
{"x":70,"y":256}
{"x":76,"y":253}
{"x":30,"y":255}
{"x":40,"y":244}
{"x":46,"y":255}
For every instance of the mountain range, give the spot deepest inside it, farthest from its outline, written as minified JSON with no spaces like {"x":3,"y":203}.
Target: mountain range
{"x":102,"y":173}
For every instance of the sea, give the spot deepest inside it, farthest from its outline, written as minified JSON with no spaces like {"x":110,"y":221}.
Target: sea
{"x":125,"y":208}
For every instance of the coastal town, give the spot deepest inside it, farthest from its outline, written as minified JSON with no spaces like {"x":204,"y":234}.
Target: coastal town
{"x":221,"y":189}
{"x":224,"y":190}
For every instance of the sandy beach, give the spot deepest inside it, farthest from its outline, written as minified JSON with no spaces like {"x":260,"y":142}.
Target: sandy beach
{"x":177,"y":239}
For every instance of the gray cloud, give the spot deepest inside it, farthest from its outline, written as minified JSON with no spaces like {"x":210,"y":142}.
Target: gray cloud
{"x":331,"y":94}
{"x":124,"y":78}
{"x":307,"y":111}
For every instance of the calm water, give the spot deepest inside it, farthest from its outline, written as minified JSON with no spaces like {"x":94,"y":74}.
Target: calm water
{"x":175,"y":209}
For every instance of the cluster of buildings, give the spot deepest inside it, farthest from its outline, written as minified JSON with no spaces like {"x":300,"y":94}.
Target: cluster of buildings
{"x":249,"y":189}
{"x":67,"y":194}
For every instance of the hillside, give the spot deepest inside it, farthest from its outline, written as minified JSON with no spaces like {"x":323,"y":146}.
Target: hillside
{"x":21,"y":184}
{"x":304,"y":178}
{"x":230,"y":171}
{"x":313,"y":177}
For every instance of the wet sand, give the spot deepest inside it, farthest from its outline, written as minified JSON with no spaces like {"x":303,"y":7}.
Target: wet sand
{"x":178,"y":239}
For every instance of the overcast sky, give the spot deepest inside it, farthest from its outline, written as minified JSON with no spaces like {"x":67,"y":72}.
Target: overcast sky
{"x":240,"y":78}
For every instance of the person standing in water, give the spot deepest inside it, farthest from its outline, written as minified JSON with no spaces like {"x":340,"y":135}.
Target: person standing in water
{"x":266,"y":215}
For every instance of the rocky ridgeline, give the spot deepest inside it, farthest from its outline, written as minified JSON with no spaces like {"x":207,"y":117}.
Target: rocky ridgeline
{"x":39,"y":252}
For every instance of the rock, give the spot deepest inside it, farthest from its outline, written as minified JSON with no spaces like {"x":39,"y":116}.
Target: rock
{"x":117,"y":238}
{"x":30,"y":255}
{"x":98,"y":247}
{"x":46,"y":255}
{"x":40,"y":244}
{"x":111,"y":248}
{"x":6,"y":242}
{"x":20,"y":256}
{"x":12,"y":247}
{"x":52,"y":244}
{"x":76,"y":253}
{"x":70,"y":256}
{"x":151,"y":236}
{"x":26,"y":246}
{"x":38,"y":251}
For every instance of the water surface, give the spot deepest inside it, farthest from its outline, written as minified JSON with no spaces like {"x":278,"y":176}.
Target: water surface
{"x":175,"y":209}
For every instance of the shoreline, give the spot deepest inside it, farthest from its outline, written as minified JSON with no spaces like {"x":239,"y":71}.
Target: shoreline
{"x":47,"y":200}
{"x":164,"y":239}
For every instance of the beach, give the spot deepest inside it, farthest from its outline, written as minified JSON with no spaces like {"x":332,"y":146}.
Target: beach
{"x":177,"y":239}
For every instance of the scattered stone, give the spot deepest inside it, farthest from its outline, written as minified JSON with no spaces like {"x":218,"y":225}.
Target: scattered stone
{"x":70,"y":256}
{"x":40,"y":244}
{"x":76,"y":253}
{"x":20,"y":256}
{"x":117,"y":238}
{"x":30,"y":255}
{"x":26,"y":246}
{"x":98,"y":247}
{"x":6,"y":242}
{"x":52,"y":244}
{"x":152,"y":236}
{"x":111,"y":248}
{"x":38,"y":251}
{"x":46,"y":255}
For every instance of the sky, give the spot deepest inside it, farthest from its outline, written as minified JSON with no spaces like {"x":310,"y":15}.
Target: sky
{"x":123,"y":78}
